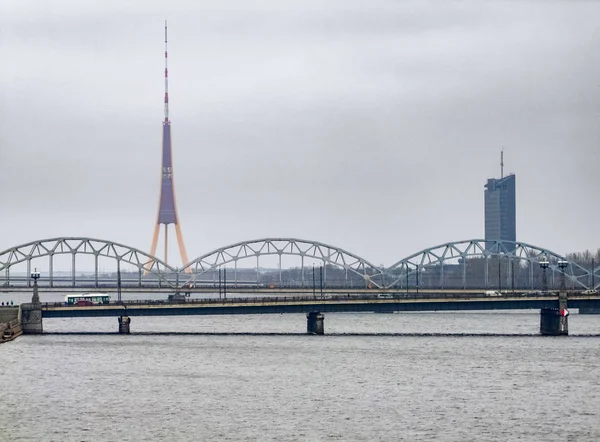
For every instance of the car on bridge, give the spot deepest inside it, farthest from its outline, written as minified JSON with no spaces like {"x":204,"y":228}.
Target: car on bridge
{"x":177,"y":298}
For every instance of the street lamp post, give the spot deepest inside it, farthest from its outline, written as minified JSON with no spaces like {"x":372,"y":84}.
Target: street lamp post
{"x":593,"y":282}
{"x":219,"y":282}
{"x":225,"y":283}
{"x":544,"y":265}
{"x":35,"y":275}
{"x":499,"y":274}
{"x":512,"y":274}
{"x":562,"y":265}
{"x":119,"y":281}
{"x":314,"y":286}
{"x":321,"y":280}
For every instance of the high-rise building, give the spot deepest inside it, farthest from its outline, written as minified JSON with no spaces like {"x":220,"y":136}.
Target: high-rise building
{"x":500,"y":209}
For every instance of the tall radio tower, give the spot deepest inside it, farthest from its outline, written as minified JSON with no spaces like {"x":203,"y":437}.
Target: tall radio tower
{"x":167,"y":207}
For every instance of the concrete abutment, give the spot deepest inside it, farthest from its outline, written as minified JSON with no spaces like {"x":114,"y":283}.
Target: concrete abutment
{"x":10,"y":323}
{"x":31,"y":318}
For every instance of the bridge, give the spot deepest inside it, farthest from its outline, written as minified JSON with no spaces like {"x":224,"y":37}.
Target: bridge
{"x":400,"y":302}
{"x":315,"y":306}
{"x":87,"y":263}
{"x":450,"y":276}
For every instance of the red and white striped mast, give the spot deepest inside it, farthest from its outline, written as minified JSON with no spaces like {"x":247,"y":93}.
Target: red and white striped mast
{"x":166,"y":78}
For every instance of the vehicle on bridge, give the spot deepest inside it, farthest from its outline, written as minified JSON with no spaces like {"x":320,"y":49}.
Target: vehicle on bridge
{"x":178,"y":297}
{"x":87,"y":299}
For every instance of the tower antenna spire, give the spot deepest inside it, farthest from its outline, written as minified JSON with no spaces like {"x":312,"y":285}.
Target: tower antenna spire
{"x":502,"y":163}
{"x":166,"y":77}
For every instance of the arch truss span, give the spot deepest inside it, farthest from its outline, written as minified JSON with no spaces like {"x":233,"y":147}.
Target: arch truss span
{"x":121,"y":255}
{"x":353,"y":269}
{"x":495,"y":264}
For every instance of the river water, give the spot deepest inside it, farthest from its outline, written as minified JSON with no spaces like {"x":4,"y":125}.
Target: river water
{"x":373,"y":377}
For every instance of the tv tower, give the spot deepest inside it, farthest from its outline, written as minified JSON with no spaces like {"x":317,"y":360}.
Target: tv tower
{"x":167,"y":207}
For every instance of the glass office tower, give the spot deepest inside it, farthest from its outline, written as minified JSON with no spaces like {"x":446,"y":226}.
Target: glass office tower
{"x":500,"y":209}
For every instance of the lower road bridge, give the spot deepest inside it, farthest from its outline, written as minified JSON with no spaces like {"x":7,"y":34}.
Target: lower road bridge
{"x":552,"y":305}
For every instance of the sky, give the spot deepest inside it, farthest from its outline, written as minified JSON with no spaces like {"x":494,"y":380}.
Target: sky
{"x":370,"y":126}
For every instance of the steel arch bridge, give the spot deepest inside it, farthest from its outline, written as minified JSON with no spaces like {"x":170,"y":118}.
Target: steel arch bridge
{"x":87,"y":246}
{"x":435,"y":260}
{"x":461,"y":251}
{"x":330,"y":255}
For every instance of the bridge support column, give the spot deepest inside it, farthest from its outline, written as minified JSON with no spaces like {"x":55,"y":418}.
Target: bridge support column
{"x":124,"y":322}
{"x":551,"y":322}
{"x":31,"y":313}
{"x":314,"y":323}
{"x":31,"y":318}
{"x":554,"y":321}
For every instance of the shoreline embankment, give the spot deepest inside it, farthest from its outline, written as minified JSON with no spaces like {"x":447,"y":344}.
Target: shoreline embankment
{"x":10,"y":323}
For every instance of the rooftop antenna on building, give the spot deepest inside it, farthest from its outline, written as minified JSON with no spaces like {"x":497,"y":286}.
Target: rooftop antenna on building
{"x":502,"y":163}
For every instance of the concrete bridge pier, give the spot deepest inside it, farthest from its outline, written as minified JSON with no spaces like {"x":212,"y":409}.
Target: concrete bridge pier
{"x":124,"y":322}
{"x":550,"y":322}
{"x":314,"y":323}
{"x":554,"y":321}
{"x":31,"y":313}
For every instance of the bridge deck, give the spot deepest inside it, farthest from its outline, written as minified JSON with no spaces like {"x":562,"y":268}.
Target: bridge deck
{"x":304,"y":305}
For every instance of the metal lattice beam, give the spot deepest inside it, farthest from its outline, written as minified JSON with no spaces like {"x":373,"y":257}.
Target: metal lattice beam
{"x":391,"y":277}
{"x":282,"y":246}
{"x":90,"y":246}
{"x":579,"y":276}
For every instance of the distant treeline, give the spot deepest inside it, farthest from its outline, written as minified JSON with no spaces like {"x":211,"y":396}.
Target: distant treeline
{"x":585,"y":259}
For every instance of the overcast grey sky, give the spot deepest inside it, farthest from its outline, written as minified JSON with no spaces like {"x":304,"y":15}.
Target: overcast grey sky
{"x":368,"y":125}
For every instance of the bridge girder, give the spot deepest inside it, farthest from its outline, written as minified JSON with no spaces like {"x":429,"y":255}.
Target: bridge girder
{"x":439,"y":254}
{"x":282,"y":246}
{"x":511,"y":250}
{"x":82,"y":245}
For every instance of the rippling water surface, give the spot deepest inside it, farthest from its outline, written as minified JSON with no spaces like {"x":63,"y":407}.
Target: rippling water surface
{"x":407,"y":385}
